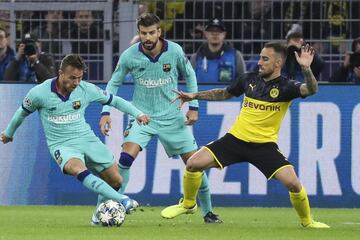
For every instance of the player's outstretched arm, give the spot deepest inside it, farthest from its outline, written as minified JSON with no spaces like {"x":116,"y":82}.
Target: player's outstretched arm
{"x":216,"y":94}
{"x":305,"y":59}
{"x":125,"y":106}
{"x":15,"y":122}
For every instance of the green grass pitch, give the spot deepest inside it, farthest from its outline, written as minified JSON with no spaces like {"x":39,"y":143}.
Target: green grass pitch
{"x":72,"y":222}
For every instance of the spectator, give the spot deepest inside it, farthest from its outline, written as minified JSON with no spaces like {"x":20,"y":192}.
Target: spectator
{"x":84,"y":30}
{"x":216,"y":60}
{"x":30,"y":63}
{"x":350,"y":69}
{"x":51,"y":32}
{"x":7,"y":54}
{"x":291,"y":68}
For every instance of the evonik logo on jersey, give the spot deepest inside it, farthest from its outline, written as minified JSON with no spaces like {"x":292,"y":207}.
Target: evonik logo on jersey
{"x":260,"y":106}
{"x":152,"y":83}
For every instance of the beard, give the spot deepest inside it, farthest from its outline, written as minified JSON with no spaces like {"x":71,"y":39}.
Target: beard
{"x":264,"y":74}
{"x":149,"y":47}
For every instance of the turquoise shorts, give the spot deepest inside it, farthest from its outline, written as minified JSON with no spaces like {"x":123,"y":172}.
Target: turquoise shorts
{"x":174,"y":135}
{"x":93,"y":153}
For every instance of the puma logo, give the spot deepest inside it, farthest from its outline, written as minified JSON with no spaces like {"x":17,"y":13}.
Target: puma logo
{"x":252,"y":87}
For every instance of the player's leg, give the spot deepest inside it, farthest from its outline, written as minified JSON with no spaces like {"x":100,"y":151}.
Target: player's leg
{"x":77,"y":168}
{"x":100,"y":160}
{"x":71,"y":160}
{"x":272,"y":163}
{"x":136,"y":138}
{"x":204,"y":195}
{"x":220,"y":153}
{"x":193,"y":175}
{"x":112,"y":177}
{"x":178,"y":139}
{"x":127,"y":156}
{"x":198,"y":162}
{"x":298,"y":197}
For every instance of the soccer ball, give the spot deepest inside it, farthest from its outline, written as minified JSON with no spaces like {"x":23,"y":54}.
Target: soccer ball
{"x":111,"y":214}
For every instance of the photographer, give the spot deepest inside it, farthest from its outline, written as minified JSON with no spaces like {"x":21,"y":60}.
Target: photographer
{"x":349,"y":71}
{"x":30,"y":64}
{"x":291,"y":68}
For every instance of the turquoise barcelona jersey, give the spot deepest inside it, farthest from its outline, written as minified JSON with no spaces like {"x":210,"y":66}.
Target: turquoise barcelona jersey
{"x":63,"y":117}
{"x":154,"y":79}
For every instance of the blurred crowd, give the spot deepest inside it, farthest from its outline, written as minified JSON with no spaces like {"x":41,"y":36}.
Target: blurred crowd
{"x":221,"y":38}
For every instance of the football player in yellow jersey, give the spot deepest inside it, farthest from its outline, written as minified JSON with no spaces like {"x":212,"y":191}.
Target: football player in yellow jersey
{"x":253,"y":136}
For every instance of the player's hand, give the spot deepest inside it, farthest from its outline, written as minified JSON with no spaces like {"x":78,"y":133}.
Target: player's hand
{"x":143,"y":119}
{"x":5,"y":139}
{"x":306,"y":56}
{"x":183,"y":97}
{"x":191,"y":116}
{"x":105,"y":124}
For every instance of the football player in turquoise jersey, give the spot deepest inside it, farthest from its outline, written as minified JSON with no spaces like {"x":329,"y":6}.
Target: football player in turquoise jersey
{"x":61,"y":103}
{"x":156,"y":65}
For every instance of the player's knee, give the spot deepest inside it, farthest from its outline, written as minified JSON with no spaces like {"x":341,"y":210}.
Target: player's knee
{"x":192,"y":166}
{"x":126,"y":160}
{"x":74,"y":167}
{"x":294,"y":186}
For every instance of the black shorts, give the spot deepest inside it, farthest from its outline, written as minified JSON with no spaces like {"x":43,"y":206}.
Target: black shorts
{"x":264,"y":156}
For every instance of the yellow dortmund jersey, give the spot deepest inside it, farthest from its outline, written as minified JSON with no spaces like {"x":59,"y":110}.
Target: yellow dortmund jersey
{"x":264,"y":106}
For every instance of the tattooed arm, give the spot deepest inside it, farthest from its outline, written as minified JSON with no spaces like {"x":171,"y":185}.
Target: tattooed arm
{"x":305,"y":59}
{"x":216,"y":94}
{"x":310,"y":86}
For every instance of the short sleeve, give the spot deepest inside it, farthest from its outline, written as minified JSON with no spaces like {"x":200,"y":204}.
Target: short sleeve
{"x":237,"y":87}
{"x":96,"y":94}
{"x":31,"y":101}
{"x":292,"y":90}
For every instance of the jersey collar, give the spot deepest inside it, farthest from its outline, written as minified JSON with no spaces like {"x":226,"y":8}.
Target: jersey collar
{"x":54,"y":90}
{"x":163,"y":49}
{"x":277,"y":79}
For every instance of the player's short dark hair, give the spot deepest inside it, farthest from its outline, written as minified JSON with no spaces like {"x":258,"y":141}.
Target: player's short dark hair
{"x":73,"y":60}
{"x":279,"y":48}
{"x":147,"y":20}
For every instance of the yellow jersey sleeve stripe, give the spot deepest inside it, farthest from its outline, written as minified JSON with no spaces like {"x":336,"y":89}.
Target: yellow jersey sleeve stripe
{"x":277,"y":170}
{"x":212,"y":154}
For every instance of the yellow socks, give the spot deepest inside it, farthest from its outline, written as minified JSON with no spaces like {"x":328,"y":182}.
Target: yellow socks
{"x":301,"y":204}
{"x":192,"y":181}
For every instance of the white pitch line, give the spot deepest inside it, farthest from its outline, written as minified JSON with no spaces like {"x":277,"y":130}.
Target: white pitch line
{"x":351,"y":223}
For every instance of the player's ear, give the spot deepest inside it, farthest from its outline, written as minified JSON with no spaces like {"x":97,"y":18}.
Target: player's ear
{"x":279,"y":61}
{"x":159,"y":29}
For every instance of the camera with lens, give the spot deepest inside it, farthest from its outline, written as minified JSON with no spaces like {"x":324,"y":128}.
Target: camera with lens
{"x":30,"y":46}
{"x":291,"y":59}
{"x":291,"y":51}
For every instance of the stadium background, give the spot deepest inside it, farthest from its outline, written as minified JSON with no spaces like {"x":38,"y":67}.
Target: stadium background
{"x":320,"y":134}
